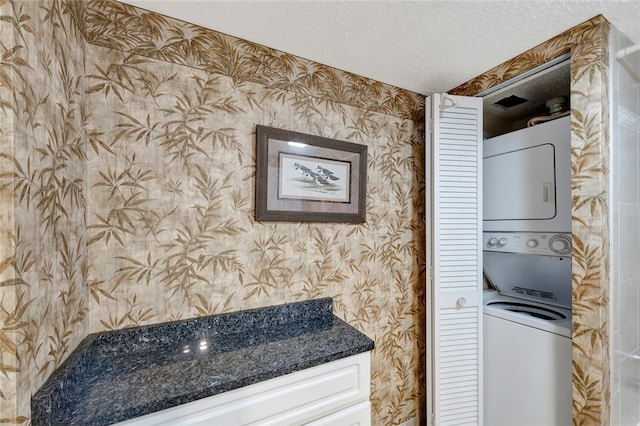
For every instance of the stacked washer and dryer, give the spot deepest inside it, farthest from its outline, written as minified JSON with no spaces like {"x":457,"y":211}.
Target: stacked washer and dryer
{"x":527,"y":263}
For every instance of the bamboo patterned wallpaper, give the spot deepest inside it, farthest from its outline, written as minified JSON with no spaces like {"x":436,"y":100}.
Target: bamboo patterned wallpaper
{"x":43,"y":299}
{"x":131,"y":174}
{"x":126,"y":193}
{"x":589,"y":47}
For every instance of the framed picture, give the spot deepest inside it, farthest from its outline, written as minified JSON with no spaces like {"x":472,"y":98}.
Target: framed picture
{"x":305,"y":178}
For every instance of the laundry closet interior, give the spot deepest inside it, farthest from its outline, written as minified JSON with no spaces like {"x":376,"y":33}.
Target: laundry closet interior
{"x":526,"y":244}
{"x":519,"y":177}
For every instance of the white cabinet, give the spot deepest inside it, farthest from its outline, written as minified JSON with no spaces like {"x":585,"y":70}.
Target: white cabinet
{"x":332,"y":394}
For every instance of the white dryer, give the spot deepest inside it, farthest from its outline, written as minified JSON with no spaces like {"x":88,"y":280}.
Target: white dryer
{"x":527,"y":329}
{"x":527,"y":179}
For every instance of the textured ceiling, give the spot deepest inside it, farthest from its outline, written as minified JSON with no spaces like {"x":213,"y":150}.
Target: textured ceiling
{"x":425,"y":46}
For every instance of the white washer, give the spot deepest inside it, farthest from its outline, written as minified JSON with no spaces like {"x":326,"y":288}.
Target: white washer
{"x":527,"y":330}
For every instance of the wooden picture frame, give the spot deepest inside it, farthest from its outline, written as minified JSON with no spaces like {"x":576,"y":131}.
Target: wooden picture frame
{"x":306,"y":178}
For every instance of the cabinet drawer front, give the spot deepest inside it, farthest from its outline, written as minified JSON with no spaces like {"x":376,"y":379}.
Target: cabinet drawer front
{"x":293,"y":399}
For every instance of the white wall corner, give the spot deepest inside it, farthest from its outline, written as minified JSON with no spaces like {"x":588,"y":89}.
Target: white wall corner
{"x":628,"y":118}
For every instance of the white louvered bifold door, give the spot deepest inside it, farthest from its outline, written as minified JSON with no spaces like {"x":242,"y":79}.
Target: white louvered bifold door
{"x":455,"y":271}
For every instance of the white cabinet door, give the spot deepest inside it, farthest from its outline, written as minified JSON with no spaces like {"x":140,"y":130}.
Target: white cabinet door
{"x":358,"y":415}
{"x":454,"y":223}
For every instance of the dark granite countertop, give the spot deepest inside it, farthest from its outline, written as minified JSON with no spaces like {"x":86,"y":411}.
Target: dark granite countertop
{"x":123,"y":374}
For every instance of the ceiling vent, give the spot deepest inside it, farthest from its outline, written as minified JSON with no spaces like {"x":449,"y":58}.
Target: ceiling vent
{"x":510,"y":102}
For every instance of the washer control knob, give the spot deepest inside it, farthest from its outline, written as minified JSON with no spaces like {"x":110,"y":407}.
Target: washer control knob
{"x":532,"y":243}
{"x":493,"y":241}
{"x":560,"y":244}
{"x":503,"y":242}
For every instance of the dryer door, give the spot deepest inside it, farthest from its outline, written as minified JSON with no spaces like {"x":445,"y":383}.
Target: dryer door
{"x":520,"y":185}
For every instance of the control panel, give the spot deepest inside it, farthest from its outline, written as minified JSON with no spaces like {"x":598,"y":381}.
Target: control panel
{"x":551,"y":244}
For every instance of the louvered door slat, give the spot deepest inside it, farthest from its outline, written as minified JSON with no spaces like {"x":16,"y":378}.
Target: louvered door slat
{"x":456,"y":265}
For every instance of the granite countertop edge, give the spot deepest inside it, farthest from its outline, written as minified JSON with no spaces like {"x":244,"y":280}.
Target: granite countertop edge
{"x":309,"y":328}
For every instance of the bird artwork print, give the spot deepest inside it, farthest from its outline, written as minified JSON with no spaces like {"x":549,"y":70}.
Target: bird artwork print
{"x":321,"y":178}
{"x":310,"y":178}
